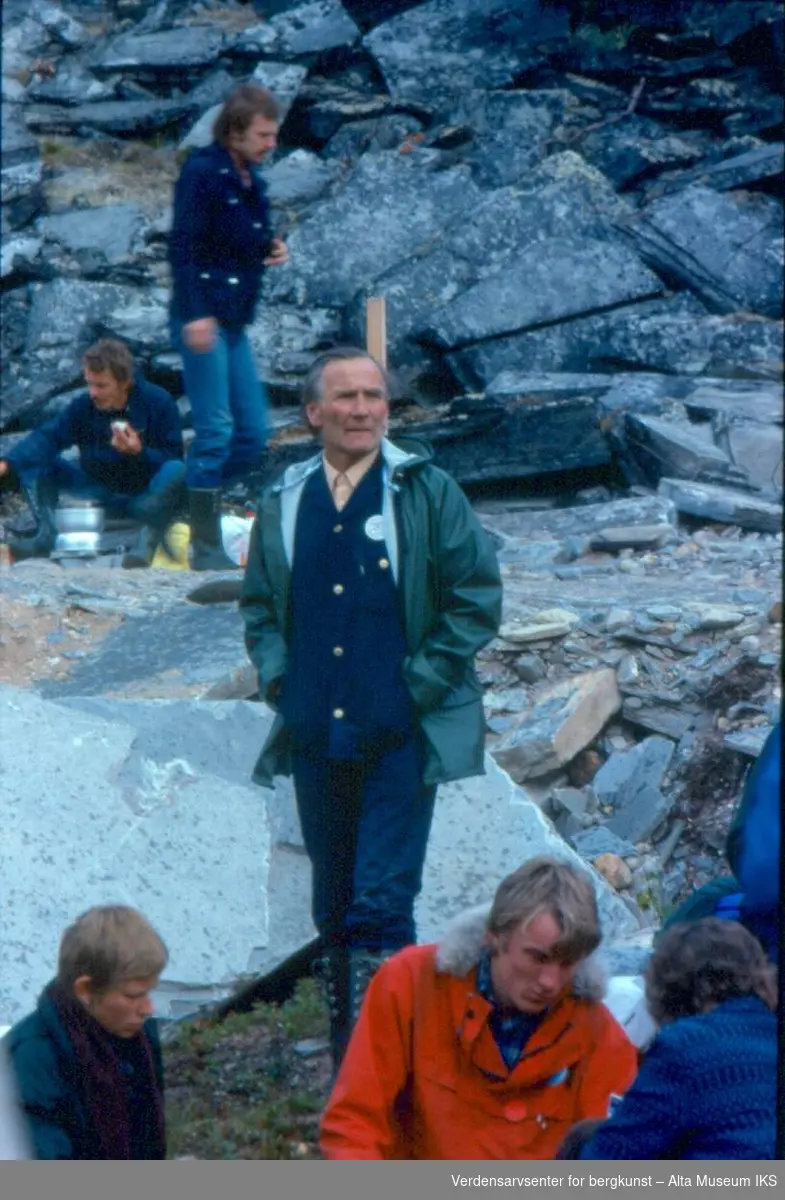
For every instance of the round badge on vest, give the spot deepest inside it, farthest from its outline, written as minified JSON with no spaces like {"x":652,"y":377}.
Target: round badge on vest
{"x":374,"y":528}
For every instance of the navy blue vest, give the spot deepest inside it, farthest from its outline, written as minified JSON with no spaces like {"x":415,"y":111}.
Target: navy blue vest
{"x":344,"y":692}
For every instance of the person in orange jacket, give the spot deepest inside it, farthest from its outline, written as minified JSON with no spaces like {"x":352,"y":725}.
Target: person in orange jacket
{"x":491,"y":1044}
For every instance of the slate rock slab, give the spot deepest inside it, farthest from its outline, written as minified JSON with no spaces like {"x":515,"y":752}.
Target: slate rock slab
{"x":561,"y":193}
{"x":72,"y":84}
{"x":727,"y":505}
{"x":181,"y":652}
{"x":143,"y":803}
{"x":438,"y":50}
{"x":637,"y":149}
{"x":757,"y":451}
{"x":625,"y":774}
{"x":171,"y":50}
{"x":298,"y":179}
{"x":110,"y":230}
{"x":480,"y":440}
{"x":511,"y":131}
{"x":304,"y":31}
{"x":348,"y":241}
{"x":639,"y":818}
{"x":676,"y":449}
{"x":123,"y":118}
{"x":553,"y":280}
{"x":565,"y":718}
{"x":104,"y":823}
{"x":586,"y":519}
{"x":590,"y":843}
{"x":639,"y":336}
{"x":738,"y":171}
{"x":483,"y":829}
{"x":728,"y":248}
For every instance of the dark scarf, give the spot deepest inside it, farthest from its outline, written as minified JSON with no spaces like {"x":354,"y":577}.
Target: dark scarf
{"x":102,"y":1083}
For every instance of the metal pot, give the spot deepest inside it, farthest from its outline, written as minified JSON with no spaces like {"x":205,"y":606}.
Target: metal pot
{"x":84,"y":543}
{"x":84,"y":518}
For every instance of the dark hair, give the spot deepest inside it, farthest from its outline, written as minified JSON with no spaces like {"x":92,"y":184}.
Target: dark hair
{"x":698,"y":964}
{"x":312,"y":384}
{"x":246,"y":102}
{"x":549,"y":885}
{"x":110,"y":355}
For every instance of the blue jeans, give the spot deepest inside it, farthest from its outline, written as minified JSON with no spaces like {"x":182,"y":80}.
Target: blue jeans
{"x":69,"y":476}
{"x":365,"y":827}
{"x":228,"y":407}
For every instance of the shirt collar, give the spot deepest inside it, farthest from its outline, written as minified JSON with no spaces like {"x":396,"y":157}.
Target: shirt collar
{"x":355,"y":473}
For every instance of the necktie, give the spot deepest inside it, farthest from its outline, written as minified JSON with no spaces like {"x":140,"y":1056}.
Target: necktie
{"x":342,"y":490}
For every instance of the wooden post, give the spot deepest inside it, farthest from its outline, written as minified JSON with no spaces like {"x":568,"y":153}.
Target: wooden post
{"x":376,"y":328}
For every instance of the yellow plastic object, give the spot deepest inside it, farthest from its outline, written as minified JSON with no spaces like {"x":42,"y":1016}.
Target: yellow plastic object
{"x":178,"y":537}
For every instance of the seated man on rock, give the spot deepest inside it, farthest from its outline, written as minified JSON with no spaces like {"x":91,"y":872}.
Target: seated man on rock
{"x":491,"y":1044}
{"x":87,"y":1062}
{"x":130,"y":445}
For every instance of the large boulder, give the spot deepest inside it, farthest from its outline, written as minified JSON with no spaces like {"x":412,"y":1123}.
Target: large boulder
{"x":147,"y":803}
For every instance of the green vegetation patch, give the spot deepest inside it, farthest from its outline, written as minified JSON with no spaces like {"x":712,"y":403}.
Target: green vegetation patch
{"x":238,"y":1088}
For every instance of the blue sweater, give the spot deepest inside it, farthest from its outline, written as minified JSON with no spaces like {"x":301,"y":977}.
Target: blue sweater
{"x":150,"y":410}
{"x":220,"y":237}
{"x":707,"y":1089}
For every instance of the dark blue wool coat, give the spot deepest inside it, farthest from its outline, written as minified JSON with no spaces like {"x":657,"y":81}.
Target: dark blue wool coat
{"x":49,"y":1083}
{"x":150,"y":410}
{"x":707,"y":1089}
{"x":220,"y":237}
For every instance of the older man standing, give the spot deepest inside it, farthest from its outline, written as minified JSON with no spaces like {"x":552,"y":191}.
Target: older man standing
{"x":369,"y":589}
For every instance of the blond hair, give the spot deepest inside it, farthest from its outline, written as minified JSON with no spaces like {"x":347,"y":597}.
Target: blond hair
{"x":110,"y":944}
{"x":548,"y":885}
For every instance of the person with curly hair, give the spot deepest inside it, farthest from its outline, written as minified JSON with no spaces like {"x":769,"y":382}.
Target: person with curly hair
{"x":707,"y":1087}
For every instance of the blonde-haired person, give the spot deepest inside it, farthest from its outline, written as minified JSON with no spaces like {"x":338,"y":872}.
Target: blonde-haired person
{"x":87,"y":1061}
{"x":491,"y":1044}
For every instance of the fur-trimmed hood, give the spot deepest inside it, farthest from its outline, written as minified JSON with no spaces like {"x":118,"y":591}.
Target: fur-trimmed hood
{"x":460,"y":948}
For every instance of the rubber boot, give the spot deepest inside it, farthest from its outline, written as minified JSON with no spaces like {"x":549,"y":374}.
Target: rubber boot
{"x":159,"y":509}
{"x":42,"y":500}
{"x":363,"y":965}
{"x":345,"y":975}
{"x":332,"y":972}
{"x":142,"y":552}
{"x":207,"y":552}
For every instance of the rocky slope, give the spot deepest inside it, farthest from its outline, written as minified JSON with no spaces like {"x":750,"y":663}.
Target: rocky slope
{"x":573,"y":212}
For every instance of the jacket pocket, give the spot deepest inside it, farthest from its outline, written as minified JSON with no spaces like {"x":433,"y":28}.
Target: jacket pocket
{"x":455,"y":739}
{"x":473,"y":1121}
